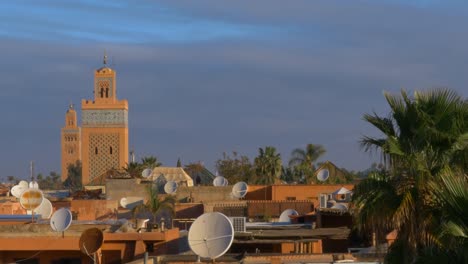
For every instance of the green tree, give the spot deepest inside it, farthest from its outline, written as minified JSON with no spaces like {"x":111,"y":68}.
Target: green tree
{"x":179,"y":164}
{"x":150,"y":162}
{"x":424,"y":139}
{"x":73,"y":181}
{"x":303,"y":160}
{"x":235,"y":168}
{"x":268,"y":165}
{"x":155,"y":203}
{"x":133,"y":169}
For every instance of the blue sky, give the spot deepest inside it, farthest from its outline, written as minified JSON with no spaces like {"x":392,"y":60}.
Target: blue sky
{"x":207,"y":77}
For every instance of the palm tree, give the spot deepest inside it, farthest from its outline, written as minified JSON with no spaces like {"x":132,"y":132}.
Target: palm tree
{"x":303,"y":159}
{"x":133,"y":169}
{"x":423,"y":138}
{"x":150,"y":162}
{"x":268,"y":165}
{"x":155,"y":204}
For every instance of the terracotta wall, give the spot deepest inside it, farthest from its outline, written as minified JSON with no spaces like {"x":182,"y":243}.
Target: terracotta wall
{"x":305,"y":192}
{"x":273,"y":209}
{"x":94,"y":209}
{"x":10,"y":208}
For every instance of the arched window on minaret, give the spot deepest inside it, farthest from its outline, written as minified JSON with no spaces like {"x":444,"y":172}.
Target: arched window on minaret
{"x":110,"y":150}
{"x":102,"y":92}
{"x":96,"y":150}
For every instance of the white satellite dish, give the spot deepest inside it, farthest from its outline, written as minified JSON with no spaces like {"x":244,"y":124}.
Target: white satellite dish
{"x":340,"y":207}
{"x":25,"y":184}
{"x":170,"y":187}
{"x":61,"y":220}
{"x":284,"y":217}
{"x":323,"y":175}
{"x":34,"y":185}
{"x":146,"y":173}
{"x":45,"y":209}
{"x":123,"y":202}
{"x":131,"y":202}
{"x":220,"y":181}
{"x":240,"y":189}
{"x":17,"y":190}
{"x":211,"y":235}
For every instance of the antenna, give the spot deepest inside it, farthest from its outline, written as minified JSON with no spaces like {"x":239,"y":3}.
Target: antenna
{"x":211,"y":235}
{"x":220,"y":181}
{"x":323,"y":175}
{"x":240,"y":189}
{"x":32,"y":170}
{"x":61,"y":220}
{"x":170,"y":187}
{"x":284,"y":217}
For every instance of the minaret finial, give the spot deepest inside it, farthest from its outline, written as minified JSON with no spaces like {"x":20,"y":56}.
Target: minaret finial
{"x":105,"y":58}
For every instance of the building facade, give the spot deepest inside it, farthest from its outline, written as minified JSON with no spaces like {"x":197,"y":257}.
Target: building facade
{"x":102,"y":139}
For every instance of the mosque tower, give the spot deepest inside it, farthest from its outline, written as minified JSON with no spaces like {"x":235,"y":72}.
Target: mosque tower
{"x":104,"y":132}
{"x":71,"y":141}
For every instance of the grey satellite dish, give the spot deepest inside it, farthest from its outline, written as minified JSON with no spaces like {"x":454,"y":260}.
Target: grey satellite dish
{"x":220,"y":181}
{"x":17,"y":190}
{"x":61,"y":220}
{"x":323,"y":175}
{"x":34,"y":185}
{"x":284,"y":217}
{"x":240,"y":189}
{"x":146,"y":173}
{"x":170,"y":187}
{"x":25,"y":184}
{"x":45,"y":209}
{"x":211,"y":235}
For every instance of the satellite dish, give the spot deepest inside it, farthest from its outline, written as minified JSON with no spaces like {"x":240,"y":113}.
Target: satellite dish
{"x":34,"y":185}
{"x":123,"y":202}
{"x":220,"y":181}
{"x":146,"y":173}
{"x":91,"y":240}
{"x":61,"y":220}
{"x":131,"y":202}
{"x":17,"y":190}
{"x":170,"y":187}
{"x":45,"y":209}
{"x":211,"y":235}
{"x":340,"y":206}
{"x":284,"y":217}
{"x":240,"y":189}
{"x":323,"y":175}
{"x":31,"y":199}
{"x":25,"y":184}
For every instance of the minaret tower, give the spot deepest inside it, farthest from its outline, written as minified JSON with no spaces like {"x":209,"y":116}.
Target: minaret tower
{"x":71,"y":141}
{"x":104,"y":127}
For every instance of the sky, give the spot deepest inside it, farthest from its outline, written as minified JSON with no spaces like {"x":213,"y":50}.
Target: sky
{"x":207,"y":77}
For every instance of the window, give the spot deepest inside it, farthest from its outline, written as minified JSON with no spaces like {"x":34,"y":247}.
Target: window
{"x":96,"y":150}
{"x":110,"y":150}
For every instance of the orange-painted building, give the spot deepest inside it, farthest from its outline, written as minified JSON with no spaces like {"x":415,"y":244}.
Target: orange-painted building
{"x":101,"y":143}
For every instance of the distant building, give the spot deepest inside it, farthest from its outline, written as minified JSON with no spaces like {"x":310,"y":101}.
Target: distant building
{"x":101,"y":143}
